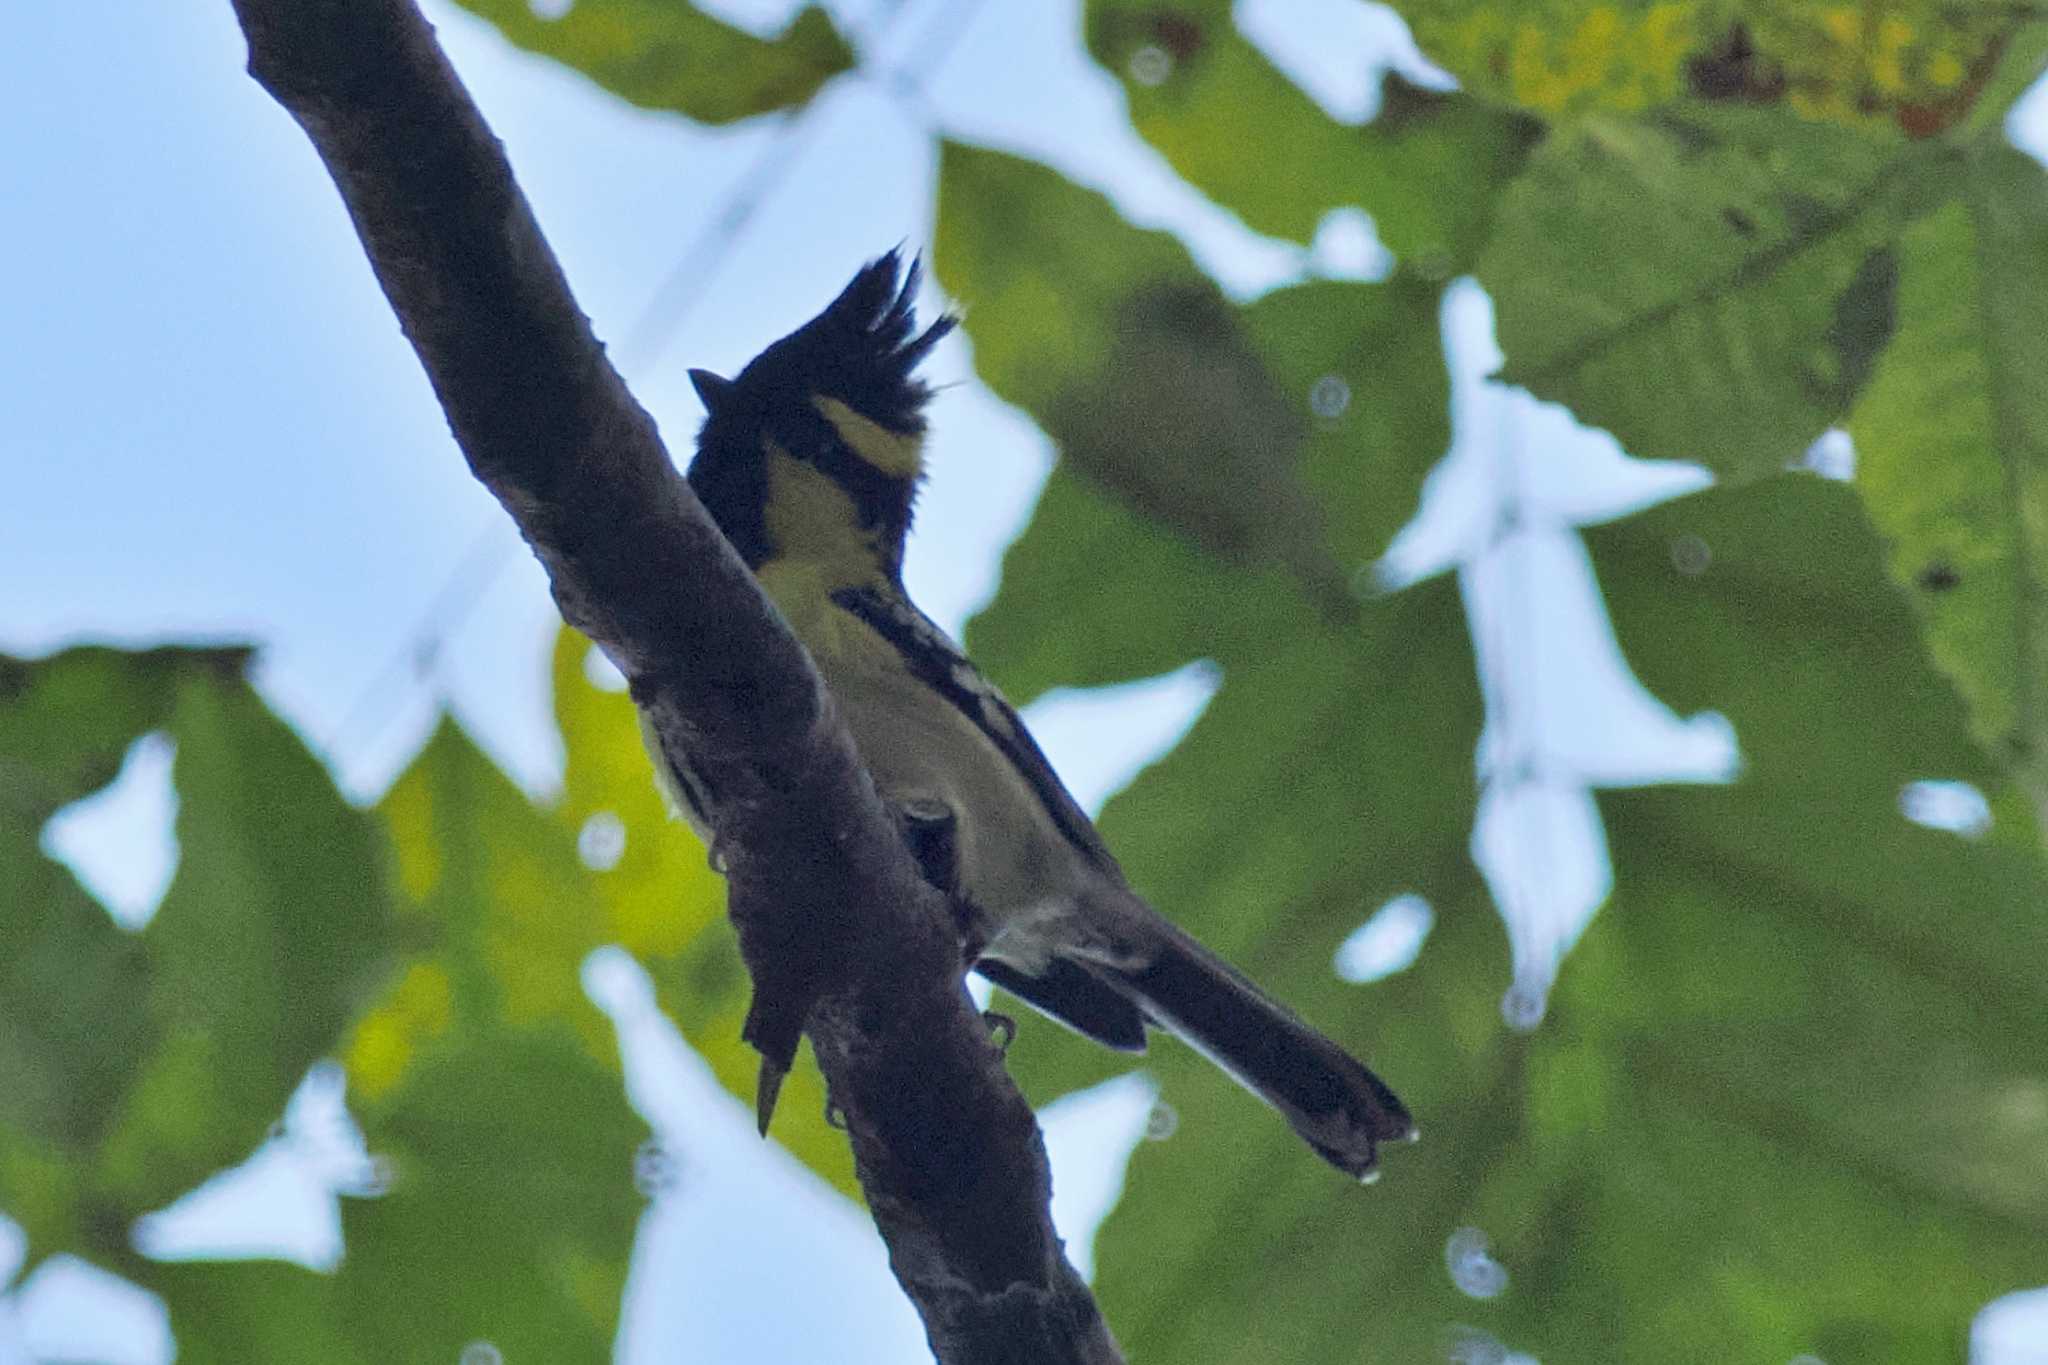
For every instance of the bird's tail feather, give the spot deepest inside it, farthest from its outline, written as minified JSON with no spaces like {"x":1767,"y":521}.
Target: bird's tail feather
{"x":1339,"y":1107}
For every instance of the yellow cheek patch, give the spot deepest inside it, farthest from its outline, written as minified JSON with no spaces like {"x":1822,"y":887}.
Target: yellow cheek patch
{"x":891,"y":452}
{"x":812,"y":522}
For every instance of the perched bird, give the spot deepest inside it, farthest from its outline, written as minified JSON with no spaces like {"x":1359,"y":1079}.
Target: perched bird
{"x":809,"y":462}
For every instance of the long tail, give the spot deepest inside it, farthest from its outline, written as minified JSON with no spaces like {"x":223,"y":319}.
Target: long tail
{"x":1339,"y":1107}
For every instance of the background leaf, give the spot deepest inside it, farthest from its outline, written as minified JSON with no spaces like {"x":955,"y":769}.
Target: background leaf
{"x":488,"y":1092}
{"x":146,"y":1062}
{"x":1196,"y":414}
{"x":1758,"y":318}
{"x":490,"y":1087}
{"x":1952,"y":449}
{"x":1914,"y":65}
{"x":266,"y":944}
{"x":1427,"y":168}
{"x":661,"y":54}
{"x":1754,"y":1120}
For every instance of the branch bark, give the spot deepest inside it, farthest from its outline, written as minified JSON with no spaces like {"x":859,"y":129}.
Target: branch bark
{"x":842,"y":935}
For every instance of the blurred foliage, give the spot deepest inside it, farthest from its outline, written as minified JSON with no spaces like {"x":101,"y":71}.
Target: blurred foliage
{"x":490,"y":1086}
{"x":134,"y":1065}
{"x":1427,"y":169}
{"x":663,"y":54}
{"x":1199,"y":416}
{"x":1915,"y":65}
{"x":1952,"y":448}
{"x":1764,"y":304}
{"x":1788,"y":1097}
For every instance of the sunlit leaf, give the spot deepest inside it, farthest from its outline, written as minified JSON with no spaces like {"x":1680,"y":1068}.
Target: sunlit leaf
{"x":665,"y":54}
{"x":488,"y":1087}
{"x":1952,"y":449}
{"x":1917,"y":66}
{"x":1756,"y":320}
{"x":1427,"y":169}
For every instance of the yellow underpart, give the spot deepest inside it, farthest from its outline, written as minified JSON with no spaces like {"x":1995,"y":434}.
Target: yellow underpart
{"x":819,"y":548}
{"x":892,"y":452}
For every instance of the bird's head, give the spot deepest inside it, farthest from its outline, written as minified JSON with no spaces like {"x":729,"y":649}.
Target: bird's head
{"x":816,"y":449}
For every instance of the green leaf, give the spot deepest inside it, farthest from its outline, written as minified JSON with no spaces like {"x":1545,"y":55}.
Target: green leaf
{"x":142,"y":1064}
{"x":1095,"y":594}
{"x":488,"y":1087}
{"x":663,"y":903}
{"x":1427,"y":169}
{"x":1952,"y":450}
{"x":273,"y":930}
{"x":1919,"y":66}
{"x":1194,"y":414}
{"x":1754,"y":322}
{"x":71,"y":1036}
{"x":1041,"y":268}
{"x":1789,"y":1096}
{"x":1556,"y":57}
{"x":662,"y":54}
{"x":1850,"y":996}
{"x":66,"y":721}
{"x":254,"y":1310}
{"x":512,"y":1199}
{"x":509,"y":1221}
{"x":2021,"y":62}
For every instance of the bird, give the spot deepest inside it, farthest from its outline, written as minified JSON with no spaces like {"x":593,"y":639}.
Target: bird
{"x":809,"y":462}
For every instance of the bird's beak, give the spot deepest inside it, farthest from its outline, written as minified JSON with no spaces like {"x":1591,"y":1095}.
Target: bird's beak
{"x":713,"y":390}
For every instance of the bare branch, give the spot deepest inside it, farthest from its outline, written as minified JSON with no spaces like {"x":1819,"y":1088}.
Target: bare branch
{"x":841,"y":934}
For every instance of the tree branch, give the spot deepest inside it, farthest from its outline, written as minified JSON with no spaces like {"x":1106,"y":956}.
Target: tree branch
{"x":842,"y":936}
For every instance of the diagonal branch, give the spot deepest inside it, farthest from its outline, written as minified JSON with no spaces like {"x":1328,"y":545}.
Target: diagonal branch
{"x":842,"y":936}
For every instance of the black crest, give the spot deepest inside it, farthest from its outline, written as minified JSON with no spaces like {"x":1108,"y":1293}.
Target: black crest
{"x":862,"y":350}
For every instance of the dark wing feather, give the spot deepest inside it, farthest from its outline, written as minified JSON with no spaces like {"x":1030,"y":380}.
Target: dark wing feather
{"x":938,"y":662}
{"x":1069,"y":992}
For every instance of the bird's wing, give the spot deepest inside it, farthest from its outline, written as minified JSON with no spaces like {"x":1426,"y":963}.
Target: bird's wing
{"x":939,"y":663}
{"x":1071,"y":993}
